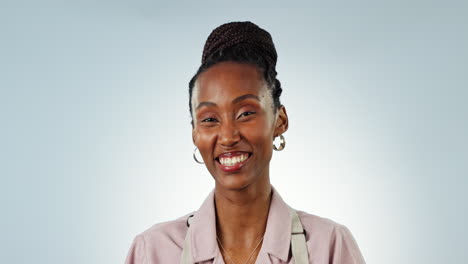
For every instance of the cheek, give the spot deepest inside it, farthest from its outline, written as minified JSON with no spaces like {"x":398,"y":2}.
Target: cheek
{"x":259,"y":134}
{"x":204,"y":140}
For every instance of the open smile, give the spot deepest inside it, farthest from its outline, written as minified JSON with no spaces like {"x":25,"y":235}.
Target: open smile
{"x":233,"y":161}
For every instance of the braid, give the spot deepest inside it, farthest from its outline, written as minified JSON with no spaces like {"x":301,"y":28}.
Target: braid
{"x":242,"y":42}
{"x":234,"y":33}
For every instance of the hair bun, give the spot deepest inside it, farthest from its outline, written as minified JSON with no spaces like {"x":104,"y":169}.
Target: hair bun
{"x":235,"y":33}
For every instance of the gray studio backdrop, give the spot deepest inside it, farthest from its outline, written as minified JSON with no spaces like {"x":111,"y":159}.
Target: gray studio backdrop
{"x":96,"y":145}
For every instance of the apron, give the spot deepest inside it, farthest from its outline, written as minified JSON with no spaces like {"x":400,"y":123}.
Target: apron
{"x":298,"y":242}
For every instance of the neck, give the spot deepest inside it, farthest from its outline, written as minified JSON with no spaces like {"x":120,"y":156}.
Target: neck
{"x":241,"y":215}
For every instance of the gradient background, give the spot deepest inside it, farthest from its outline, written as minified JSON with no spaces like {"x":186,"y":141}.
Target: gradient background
{"x":96,"y":143}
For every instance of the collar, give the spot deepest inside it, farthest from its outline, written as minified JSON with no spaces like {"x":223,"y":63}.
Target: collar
{"x":277,"y":238}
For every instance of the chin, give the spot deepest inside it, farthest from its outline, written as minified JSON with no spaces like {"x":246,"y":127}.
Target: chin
{"x":233,"y":182}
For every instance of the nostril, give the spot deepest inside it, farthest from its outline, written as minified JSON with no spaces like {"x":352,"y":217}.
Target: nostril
{"x":229,"y":142}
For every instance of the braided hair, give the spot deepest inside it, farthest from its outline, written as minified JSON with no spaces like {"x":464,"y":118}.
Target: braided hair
{"x":242,"y":42}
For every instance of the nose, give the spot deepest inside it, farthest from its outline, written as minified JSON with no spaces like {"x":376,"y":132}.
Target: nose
{"x":228,"y":134}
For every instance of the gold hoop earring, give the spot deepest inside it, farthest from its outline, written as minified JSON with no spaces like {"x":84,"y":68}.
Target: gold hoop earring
{"x":282,"y":144}
{"x":195,"y":157}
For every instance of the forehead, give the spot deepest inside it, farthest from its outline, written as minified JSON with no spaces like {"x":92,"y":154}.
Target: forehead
{"x":228,"y":80}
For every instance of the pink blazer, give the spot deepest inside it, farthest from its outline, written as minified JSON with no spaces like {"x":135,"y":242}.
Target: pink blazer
{"x":328,"y":242}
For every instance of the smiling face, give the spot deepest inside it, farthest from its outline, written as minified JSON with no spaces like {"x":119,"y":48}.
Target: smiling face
{"x":235,"y":124}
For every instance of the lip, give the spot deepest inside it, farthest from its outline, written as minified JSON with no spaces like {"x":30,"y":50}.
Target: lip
{"x":232,"y":154}
{"x":235,"y":167}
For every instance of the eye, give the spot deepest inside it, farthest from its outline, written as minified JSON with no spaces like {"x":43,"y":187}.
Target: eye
{"x":246,"y":114}
{"x":209,"y":119}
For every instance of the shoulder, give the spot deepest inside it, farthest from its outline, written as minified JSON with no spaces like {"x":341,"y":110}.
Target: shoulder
{"x":161,"y":242}
{"x":164,"y":233}
{"x":329,"y":240}
{"x":316,"y":224}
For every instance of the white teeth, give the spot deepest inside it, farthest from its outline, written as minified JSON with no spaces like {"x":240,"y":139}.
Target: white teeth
{"x":234,"y":160}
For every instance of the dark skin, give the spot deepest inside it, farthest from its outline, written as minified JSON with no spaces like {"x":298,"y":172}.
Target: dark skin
{"x":233,"y":111}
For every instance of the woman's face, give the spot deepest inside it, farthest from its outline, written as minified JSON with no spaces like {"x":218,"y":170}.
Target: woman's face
{"x":235,"y":124}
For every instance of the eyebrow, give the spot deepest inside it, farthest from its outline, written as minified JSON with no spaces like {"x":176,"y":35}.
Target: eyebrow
{"x":235,"y":101}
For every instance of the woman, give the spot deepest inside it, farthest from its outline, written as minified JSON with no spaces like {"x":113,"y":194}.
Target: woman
{"x":236,"y":115}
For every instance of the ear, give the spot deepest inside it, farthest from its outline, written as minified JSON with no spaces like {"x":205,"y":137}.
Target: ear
{"x":282,"y":122}
{"x":194,"y":134}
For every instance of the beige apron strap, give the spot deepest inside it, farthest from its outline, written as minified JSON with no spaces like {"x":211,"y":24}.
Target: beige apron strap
{"x":298,"y":242}
{"x":186,"y":257}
